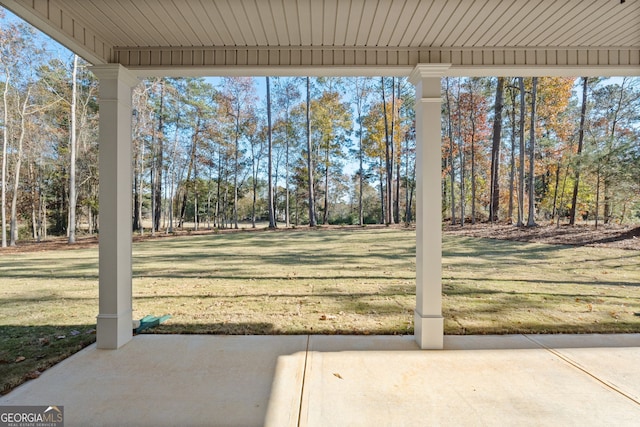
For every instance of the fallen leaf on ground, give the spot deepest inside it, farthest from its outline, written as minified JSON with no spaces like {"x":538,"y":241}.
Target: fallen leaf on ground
{"x":33,"y":375}
{"x":20,"y":359}
{"x":335,"y":374}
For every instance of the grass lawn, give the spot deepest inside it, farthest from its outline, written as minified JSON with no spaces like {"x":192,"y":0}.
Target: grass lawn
{"x":326,"y":281}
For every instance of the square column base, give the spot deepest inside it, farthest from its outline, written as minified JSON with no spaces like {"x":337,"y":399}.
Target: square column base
{"x":429,"y":331}
{"x":114,"y":330}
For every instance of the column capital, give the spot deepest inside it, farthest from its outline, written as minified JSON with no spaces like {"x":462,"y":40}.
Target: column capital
{"x":115,"y":72}
{"x":422,"y":71}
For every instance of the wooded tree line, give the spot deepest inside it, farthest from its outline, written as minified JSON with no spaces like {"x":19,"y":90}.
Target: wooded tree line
{"x":213,"y":153}
{"x":545,"y":149}
{"x":203,"y":151}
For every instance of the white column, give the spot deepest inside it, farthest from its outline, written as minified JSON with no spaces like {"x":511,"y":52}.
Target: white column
{"x":429,"y":323}
{"x":115,"y":327}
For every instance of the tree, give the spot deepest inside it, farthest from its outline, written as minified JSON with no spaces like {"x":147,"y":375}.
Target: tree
{"x":451,"y":149}
{"x":613,"y":140}
{"x":143,"y":116}
{"x":576,"y":185}
{"x":495,"y":152}
{"x":331,"y":123}
{"x":388,"y":153}
{"x":287,"y":92}
{"x":13,"y":39}
{"x":238,"y":96}
{"x":531,"y":220}
{"x":520,"y":222}
{"x":361,"y":88}
{"x":72,"y":150}
{"x":272,"y":218}
{"x":158,"y":159}
{"x":312,"y":209}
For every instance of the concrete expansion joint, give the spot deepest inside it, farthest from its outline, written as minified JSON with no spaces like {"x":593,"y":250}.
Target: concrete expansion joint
{"x":584,"y":370}
{"x":304,"y":375}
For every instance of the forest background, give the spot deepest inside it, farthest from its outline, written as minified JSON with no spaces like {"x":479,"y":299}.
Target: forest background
{"x":224,"y":152}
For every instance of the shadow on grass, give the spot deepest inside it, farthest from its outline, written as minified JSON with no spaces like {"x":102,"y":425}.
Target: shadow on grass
{"x":26,"y":351}
{"x":453,"y":328}
{"x":570,"y":282}
{"x":390,"y":292}
{"x":260,"y":328}
{"x":484,"y":248}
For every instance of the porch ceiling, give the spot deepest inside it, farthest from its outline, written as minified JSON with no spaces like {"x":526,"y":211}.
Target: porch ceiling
{"x":382,"y":34}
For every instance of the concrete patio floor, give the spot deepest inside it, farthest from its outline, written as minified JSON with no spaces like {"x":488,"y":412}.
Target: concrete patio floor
{"x":193,"y":380}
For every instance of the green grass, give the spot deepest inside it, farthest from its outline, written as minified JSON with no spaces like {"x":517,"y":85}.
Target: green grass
{"x":323,"y":281}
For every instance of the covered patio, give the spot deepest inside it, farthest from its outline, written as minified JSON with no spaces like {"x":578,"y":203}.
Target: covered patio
{"x":426,"y":40}
{"x":156,"y":380}
{"x":332,"y":380}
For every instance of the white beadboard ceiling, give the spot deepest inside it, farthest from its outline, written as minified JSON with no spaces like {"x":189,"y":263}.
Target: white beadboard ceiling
{"x":376,"y":33}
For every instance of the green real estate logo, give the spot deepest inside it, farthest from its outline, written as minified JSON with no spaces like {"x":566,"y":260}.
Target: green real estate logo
{"x":31,"y":416}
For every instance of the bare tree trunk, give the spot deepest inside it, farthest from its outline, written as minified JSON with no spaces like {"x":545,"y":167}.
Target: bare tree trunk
{"x":272,"y":217}
{"x":216,"y":213}
{"x":5,"y":143}
{"x":191,"y":167}
{"x":531,"y":220}
{"x":608,"y":208}
{"x":494,"y":204}
{"x":44,"y":225}
{"x":564,"y":186}
{"x":287,"y":213}
{"x":381,"y":179}
{"x":407,"y":201}
{"x":325,"y":214}
{"x":388,"y":158}
{"x":520,"y":222}
{"x":72,"y":149}
{"x":141,"y":188}
{"x":153,"y":198}
{"x":512,"y":166}
{"x":157,"y":196}
{"x":597,"y":195}
{"x":312,"y":209}
{"x":554,"y":209}
{"x":397,"y":156}
{"x":360,"y":159}
{"x":452,"y":169}
{"x":196,"y":214}
{"x":34,"y":219}
{"x":462,"y":160}
{"x":236,"y":169}
{"x":473,"y":160}
{"x":410,"y":198}
{"x":16,"y":181}
{"x":18,"y":166}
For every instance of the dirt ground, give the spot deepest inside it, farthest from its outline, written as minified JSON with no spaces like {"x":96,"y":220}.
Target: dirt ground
{"x":612,"y":236}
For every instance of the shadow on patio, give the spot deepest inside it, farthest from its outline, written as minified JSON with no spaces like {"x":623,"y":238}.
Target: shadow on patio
{"x":302,"y":380}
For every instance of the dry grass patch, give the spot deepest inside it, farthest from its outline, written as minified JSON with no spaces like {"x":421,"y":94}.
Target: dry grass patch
{"x":498,"y":286}
{"x":280,"y":283}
